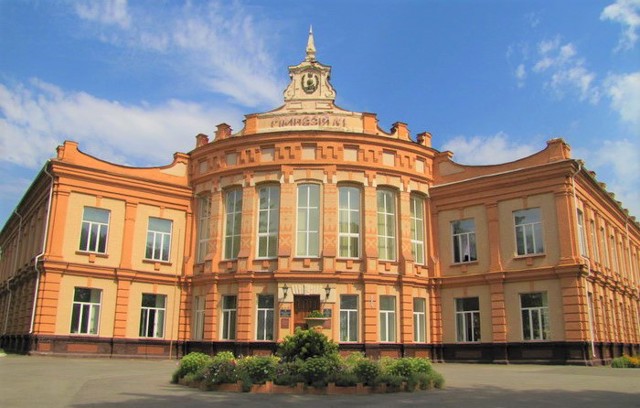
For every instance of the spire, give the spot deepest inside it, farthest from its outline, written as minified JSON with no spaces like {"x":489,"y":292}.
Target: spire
{"x":311,"y":47}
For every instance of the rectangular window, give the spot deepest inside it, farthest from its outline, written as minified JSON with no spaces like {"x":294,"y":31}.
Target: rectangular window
{"x":204,"y":215}
{"x":528,"y":231}
{"x":582,"y":235}
{"x":265,"y":317}
{"x":387,"y":318}
{"x":348,"y":318}
{"x":594,"y":241}
{"x":233,"y":223}
{"x":95,"y":229}
{"x":307,"y":236}
{"x":614,"y":254}
{"x":603,"y":244}
{"x":198,"y":317}
{"x":417,"y":229}
{"x":535,"y":316}
{"x":464,"y":240}
{"x":85,"y":313}
{"x":419,"y":319}
{"x":229,"y":317}
{"x":268,"y":216}
{"x":386,"y":225}
{"x":468,"y":319}
{"x":349,"y":222}
{"x":152,"y":315}
{"x":158,"y":239}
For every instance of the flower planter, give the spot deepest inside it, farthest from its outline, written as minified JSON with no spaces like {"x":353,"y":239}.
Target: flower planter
{"x":234,"y":387}
{"x":315,"y":321}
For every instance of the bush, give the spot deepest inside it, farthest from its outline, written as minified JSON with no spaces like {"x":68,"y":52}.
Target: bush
{"x":394,"y":382}
{"x":626,"y":361}
{"x":221,"y":371}
{"x":305,"y":344}
{"x":343,"y":378}
{"x":318,"y":369}
{"x":258,"y":369}
{"x":437,"y":379}
{"x":352,"y":360}
{"x":367,"y":371}
{"x":192,"y":363}
{"x":408,"y":366}
{"x":288,"y":373}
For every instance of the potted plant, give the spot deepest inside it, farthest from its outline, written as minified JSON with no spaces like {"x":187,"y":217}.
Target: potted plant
{"x":315,"y":318}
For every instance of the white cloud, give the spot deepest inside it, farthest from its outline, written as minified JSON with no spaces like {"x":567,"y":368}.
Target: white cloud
{"x":36,"y":117}
{"x":105,"y":12}
{"x":566,"y":70}
{"x":624,"y":91}
{"x":521,"y":75}
{"x":221,"y":46}
{"x":479,"y":150}
{"x":627,"y":13}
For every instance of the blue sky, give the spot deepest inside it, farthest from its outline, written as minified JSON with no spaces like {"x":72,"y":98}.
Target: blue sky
{"x":135,"y":81}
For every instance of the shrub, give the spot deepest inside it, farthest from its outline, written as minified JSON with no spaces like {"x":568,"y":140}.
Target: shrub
{"x":407,"y":366}
{"x":626,"y":361}
{"x":343,"y":378}
{"x":317,"y":370}
{"x":315,"y":313}
{"x":367,"y":371}
{"x":437,"y":379}
{"x":190,"y":364}
{"x":394,"y":382}
{"x":258,"y":369}
{"x":305,"y":344}
{"x":352,"y":360}
{"x":221,"y":371}
{"x":288,"y":373}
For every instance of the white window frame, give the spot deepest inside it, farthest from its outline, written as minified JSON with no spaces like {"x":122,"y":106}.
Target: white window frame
{"x":232,"y":222}
{"x":417,"y":229}
{"x":582,"y":235}
{"x":352,"y":217}
{"x":387,"y":320}
{"x":387,"y":217}
{"x":419,"y":320}
{"x":605,"y":247}
{"x":229,"y":317}
{"x":269,"y":211}
{"x":152,"y":318}
{"x":85,"y":315}
{"x":594,"y":241}
{"x":310,"y":213}
{"x":94,"y":233}
{"x":464,"y":246}
{"x":204,"y":216}
{"x":468,"y":324}
{"x":159,"y":242}
{"x":348,"y":320}
{"x":530,"y":314}
{"x":198,"y":316}
{"x":264,"y":314}
{"x":534,"y":245}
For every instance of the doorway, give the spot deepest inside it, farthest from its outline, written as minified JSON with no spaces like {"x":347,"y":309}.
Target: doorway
{"x":302,"y":306}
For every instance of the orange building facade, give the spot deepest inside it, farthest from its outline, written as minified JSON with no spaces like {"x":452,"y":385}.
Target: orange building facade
{"x":397,"y":249}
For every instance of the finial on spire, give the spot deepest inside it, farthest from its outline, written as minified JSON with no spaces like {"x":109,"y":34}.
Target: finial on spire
{"x":311,"y":47}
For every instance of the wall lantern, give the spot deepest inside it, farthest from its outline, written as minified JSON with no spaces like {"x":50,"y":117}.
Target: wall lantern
{"x":327,"y":291}
{"x":285,"y":290}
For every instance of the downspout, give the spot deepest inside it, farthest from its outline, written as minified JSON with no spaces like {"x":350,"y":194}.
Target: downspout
{"x":15,"y":269}
{"x":44,"y":248}
{"x":586,"y":292}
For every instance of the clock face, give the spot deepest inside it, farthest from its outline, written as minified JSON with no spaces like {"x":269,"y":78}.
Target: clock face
{"x":310,"y":82}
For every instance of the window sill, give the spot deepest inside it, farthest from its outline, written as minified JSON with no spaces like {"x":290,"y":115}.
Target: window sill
{"x":93,"y":255}
{"x":458,"y":264}
{"x":156,"y":264}
{"x":540,"y":255}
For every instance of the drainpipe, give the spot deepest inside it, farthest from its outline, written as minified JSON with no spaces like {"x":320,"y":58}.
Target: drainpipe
{"x":15,"y":268}
{"x":44,"y":248}
{"x":586,"y":292}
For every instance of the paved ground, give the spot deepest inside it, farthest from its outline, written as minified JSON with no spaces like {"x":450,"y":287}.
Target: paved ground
{"x":51,"y":382}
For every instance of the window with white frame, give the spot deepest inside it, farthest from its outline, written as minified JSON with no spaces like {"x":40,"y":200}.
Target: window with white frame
{"x":594,"y":242}
{"x":268,"y":217}
{"x":582,"y":236}
{"x":204,"y":215}
{"x":85,"y":312}
{"x":468,"y":319}
{"x":464,"y":240}
{"x":152,"y":315}
{"x":232,"y":223}
{"x":387,"y":318}
{"x":307,"y":234}
{"x":198,"y":317}
{"x":349,"y":221}
{"x":417,"y":229}
{"x":614,"y":254}
{"x":386,"y":225}
{"x":229,"y":312}
{"x":535,"y":316}
{"x":95,"y":230}
{"x":528,"y":228}
{"x":158,"y":239}
{"x":605,"y":249}
{"x":265,"y":317}
{"x":419,"y":320}
{"x":348,"y":318}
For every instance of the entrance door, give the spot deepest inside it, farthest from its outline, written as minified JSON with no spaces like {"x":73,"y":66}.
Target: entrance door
{"x":302,"y":306}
